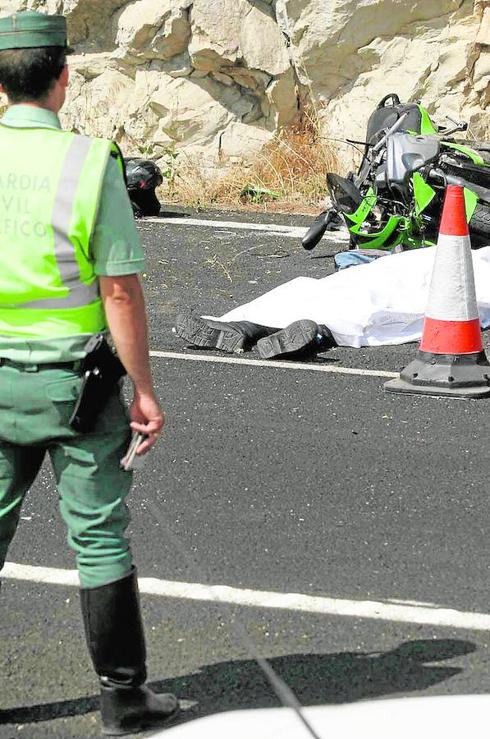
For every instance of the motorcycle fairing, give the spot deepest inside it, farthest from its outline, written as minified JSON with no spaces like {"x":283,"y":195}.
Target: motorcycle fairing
{"x":470,"y":202}
{"x":344,"y":192}
{"x":427,"y":128}
{"x":423,"y":193}
{"x":406,"y":154}
{"x":367,"y":204}
{"x":373,"y":240}
{"x":471,"y":153}
{"x":379,"y":239}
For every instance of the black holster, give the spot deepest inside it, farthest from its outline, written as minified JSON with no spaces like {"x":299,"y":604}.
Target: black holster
{"x":101,"y":371}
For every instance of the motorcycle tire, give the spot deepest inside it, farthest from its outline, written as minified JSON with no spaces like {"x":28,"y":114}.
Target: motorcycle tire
{"x":480,"y":226}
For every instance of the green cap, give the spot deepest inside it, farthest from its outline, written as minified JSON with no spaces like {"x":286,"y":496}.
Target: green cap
{"x":29,"y":30}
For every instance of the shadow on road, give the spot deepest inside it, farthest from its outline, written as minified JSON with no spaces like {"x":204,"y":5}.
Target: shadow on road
{"x":315,"y":678}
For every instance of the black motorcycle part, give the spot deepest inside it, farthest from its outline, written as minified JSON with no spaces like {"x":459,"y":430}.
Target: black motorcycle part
{"x":479,"y":226}
{"x":344,"y":193}
{"x":482,"y":192}
{"x":438,"y":175}
{"x":431,"y":219}
{"x":315,"y":232}
{"x":461,"y":167}
{"x":395,"y":100}
{"x":335,"y":221}
{"x":386,"y":117}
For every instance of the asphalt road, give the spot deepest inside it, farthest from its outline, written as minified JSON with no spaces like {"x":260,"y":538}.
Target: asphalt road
{"x":269,"y":479}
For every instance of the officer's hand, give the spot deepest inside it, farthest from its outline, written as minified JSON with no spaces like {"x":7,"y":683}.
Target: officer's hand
{"x":148,"y":418}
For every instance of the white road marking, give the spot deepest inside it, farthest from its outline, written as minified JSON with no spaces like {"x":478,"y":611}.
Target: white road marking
{"x":293,"y":232}
{"x":409,"y":612}
{"x":331,"y":368}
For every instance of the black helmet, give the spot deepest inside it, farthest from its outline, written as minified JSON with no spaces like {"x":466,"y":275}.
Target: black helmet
{"x":143,"y":176}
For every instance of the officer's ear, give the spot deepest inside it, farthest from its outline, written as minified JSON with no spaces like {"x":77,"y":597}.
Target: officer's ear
{"x":64,"y":76}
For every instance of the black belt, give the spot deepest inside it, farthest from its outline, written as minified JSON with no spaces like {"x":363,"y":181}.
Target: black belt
{"x":37,"y":367}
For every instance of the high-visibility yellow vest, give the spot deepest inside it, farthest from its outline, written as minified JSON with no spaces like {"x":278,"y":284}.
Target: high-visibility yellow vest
{"x":50,"y":184}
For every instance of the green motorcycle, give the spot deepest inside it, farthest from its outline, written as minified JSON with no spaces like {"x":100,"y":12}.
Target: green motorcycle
{"x":394,"y":200}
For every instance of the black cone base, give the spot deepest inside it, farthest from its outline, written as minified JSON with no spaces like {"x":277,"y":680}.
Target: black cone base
{"x":444,"y":375}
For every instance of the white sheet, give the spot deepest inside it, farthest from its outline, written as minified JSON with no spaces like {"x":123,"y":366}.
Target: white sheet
{"x":370,"y":305}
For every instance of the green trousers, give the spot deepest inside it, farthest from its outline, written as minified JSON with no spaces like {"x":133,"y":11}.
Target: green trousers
{"x":35,"y":406}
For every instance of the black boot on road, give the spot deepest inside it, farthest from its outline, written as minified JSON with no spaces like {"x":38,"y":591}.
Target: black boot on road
{"x":299,"y":340}
{"x":228,"y":336}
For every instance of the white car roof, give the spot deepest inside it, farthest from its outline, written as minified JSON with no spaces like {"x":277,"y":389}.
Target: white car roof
{"x":438,"y":717}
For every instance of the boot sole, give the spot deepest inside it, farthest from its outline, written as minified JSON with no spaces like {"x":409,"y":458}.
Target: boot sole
{"x":209,"y":334}
{"x":144,"y":726}
{"x":299,"y":336}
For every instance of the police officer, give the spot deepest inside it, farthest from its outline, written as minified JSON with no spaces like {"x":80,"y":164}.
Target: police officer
{"x":69,"y":264}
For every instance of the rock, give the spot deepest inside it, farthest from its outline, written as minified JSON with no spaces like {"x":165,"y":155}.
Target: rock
{"x":97,"y":105}
{"x":215,"y":79}
{"x":236,"y":33}
{"x":192,"y":111}
{"x":283,"y":99}
{"x":153,"y":30}
{"x":89,"y":66}
{"x":483,"y":35}
{"x":242,"y":141}
{"x":92,"y":23}
{"x":9,"y":7}
{"x":178,"y":66}
{"x":424,"y":49}
{"x":223,"y":78}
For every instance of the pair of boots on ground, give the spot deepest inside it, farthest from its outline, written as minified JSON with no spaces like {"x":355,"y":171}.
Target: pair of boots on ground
{"x":116,"y":642}
{"x":297,"y":341}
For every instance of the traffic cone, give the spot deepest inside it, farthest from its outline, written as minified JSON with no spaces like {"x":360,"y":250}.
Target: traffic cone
{"x":450,"y":359}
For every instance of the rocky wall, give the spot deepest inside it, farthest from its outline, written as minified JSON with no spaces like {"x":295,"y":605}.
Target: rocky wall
{"x":216,"y":79}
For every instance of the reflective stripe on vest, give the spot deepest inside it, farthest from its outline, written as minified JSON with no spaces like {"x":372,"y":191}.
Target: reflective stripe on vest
{"x":80,"y":293}
{"x":50,"y":186}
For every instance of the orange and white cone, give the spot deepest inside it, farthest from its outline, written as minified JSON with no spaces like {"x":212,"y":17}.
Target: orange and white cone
{"x":450,"y":360}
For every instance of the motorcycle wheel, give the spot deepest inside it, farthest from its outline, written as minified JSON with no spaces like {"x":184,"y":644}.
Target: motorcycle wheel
{"x":480,"y":227}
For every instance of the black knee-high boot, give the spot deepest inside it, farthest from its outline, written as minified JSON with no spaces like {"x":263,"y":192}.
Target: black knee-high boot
{"x":115,"y":638}
{"x":229,"y":336}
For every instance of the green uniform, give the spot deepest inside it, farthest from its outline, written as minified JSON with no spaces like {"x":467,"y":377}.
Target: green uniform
{"x":65,"y":219}
{"x":39,"y":383}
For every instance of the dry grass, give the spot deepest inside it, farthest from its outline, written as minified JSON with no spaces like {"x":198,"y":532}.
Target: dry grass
{"x":287,"y":175}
